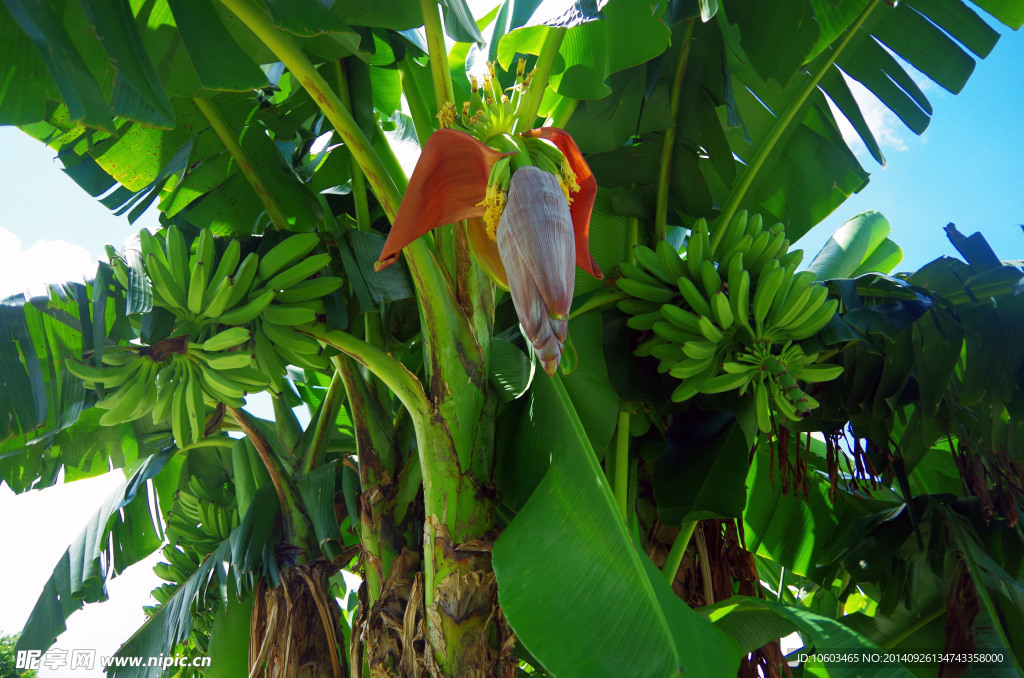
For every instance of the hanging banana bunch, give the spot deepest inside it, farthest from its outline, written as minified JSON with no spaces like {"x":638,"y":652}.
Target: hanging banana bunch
{"x":235,"y":332}
{"x":726,"y":315}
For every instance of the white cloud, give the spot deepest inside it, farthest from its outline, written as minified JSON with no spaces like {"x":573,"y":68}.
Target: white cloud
{"x":45,"y":261}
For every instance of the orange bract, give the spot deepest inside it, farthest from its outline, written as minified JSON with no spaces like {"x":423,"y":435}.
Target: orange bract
{"x":448,"y":182}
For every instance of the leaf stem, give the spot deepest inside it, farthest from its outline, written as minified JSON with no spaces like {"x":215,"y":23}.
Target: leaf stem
{"x":562,"y":112}
{"x":295,"y":524}
{"x":389,"y":370}
{"x":669,"y":141}
{"x":783,"y":122}
{"x":299,"y":64}
{"x":441,"y":75}
{"x":539,"y":78}
{"x":675,"y":556}
{"x":358,"y":180}
{"x":251,"y":173}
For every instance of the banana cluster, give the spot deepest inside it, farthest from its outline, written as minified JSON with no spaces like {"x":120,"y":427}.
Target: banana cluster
{"x":202,"y":518}
{"x":271,"y":294}
{"x":177,"y":380}
{"x":734,"y":299}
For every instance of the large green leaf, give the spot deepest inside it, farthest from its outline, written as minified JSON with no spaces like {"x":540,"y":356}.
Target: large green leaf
{"x":630,"y":33}
{"x":117,"y":536}
{"x":78,"y":87}
{"x":853,"y":245}
{"x":219,"y":61}
{"x":695,"y":481}
{"x":571,"y":525}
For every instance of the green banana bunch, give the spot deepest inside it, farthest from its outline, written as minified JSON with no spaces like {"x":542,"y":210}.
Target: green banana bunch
{"x":202,"y":288}
{"x":733,"y":293}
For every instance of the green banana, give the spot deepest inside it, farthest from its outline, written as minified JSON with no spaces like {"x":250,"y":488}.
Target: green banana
{"x":227,"y":360}
{"x":691,"y":367}
{"x":644,"y":321}
{"x":670,"y":332}
{"x":761,"y":408}
{"x":645,"y":291}
{"x":700,"y":348}
{"x":722,"y":311}
{"x":225,"y":267}
{"x":764,"y":295}
{"x":268,"y":361}
{"x":299,"y":272}
{"x":681,"y":318}
{"x":226,"y":339}
{"x":287,"y":337}
{"x":725,"y":236}
{"x":314,"y":288}
{"x":108,"y":376}
{"x":165,"y":285}
{"x":647,"y":258}
{"x":250,"y":310}
{"x":709,"y":330}
{"x":695,"y":256}
{"x":288,"y":315}
{"x":710,"y":278}
{"x":243,"y":279}
{"x":286,"y":253}
{"x":177,"y":256}
{"x":693,"y":296}
{"x":725,"y":382}
{"x":671,"y":263}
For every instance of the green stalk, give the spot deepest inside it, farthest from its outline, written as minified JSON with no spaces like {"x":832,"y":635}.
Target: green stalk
{"x":441,"y":75}
{"x":539,"y":79}
{"x":358,"y":180}
{"x":675,"y":556}
{"x":311,"y":80}
{"x":621,"y":460}
{"x":417,"y":109}
{"x":563,"y":111}
{"x":251,"y":173}
{"x":317,"y":436}
{"x":392,"y":372}
{"x":668,"y":143}
{"x":296,"y":526}
{"x":788,"y":115}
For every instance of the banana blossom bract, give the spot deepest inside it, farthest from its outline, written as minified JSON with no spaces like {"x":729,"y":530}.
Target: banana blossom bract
{"x":538,"y":238}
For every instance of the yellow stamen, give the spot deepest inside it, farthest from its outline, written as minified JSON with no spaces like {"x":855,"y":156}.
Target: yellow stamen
{"x":447,"y":114}
{"x":494,"y":204}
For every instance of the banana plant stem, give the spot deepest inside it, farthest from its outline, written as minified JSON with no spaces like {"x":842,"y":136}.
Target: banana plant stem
{"x":299,"y":64}
{"x":296,"y":527}
{"x":788,"y":115}
{"x":669,"y":141}
{"x":393,"y":373}
{"x":251,"y":173}
{"x":675,"y":556}
{"x":621,"y":475}
{"x":358,"y":180}
{"x":413,"y":96}
{"x":441,"y":75}
{"x":539,"y":78}
{"x":563,"y":111}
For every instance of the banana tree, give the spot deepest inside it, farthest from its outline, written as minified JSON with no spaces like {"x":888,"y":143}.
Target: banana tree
{"x":633,"y":474}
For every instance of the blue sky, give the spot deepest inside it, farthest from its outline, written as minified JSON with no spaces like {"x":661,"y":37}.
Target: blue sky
{"x":967,"y":168}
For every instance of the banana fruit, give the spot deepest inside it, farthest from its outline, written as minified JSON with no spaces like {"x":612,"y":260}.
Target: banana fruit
{"x":725,"y":314}
{"x":239,"y":321}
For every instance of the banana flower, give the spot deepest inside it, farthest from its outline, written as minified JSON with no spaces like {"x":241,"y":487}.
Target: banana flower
{"x":529,"y":220}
